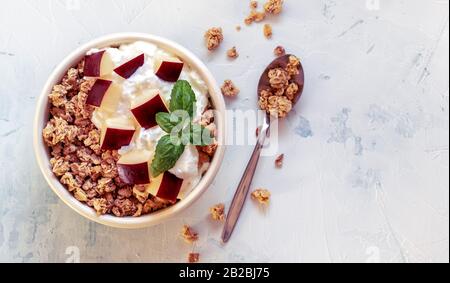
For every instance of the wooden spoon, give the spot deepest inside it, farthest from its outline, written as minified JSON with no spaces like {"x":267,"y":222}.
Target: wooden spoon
{"x":247,"y":178}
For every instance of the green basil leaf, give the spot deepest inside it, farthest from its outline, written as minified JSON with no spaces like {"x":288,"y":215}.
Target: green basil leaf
{"x":183,"y":98}
{"x":163,"y":120}
{"x":168,"y":151}
{"x":167,"y":121}
{"x":200,"y":136}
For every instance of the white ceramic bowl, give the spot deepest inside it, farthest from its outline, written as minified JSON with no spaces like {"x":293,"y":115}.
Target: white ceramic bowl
{"x":42,"y":115}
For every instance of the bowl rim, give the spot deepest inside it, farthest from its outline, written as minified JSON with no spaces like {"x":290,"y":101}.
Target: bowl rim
{"x":40,"y":118}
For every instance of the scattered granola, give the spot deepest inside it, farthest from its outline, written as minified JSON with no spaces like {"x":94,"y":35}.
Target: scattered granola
{"x":194,"y":258}
{"x":262,"y":196}
{"x":279,"y":161}
{"x":268,"y":32}
{"x":229,"y":89}
{"x":232,"y":53}
{"x":218,"y":212}
{"x":238,"y":28}
{"x":254,"y":16}
{"x":274,"y":6}
{"x":189,"y":235}
{"x":279,"y":51}
{"x":254,"y":4}
{"x":214,"y":38}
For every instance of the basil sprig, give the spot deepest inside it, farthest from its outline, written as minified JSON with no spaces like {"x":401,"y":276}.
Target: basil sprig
{"x":179,"y":128}
{"x":183,"y":98}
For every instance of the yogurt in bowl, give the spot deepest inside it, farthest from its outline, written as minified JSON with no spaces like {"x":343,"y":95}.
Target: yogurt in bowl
{"x":89,"y":167}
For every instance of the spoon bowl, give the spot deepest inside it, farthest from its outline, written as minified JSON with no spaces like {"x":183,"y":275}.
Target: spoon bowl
{"x":282,"y":62}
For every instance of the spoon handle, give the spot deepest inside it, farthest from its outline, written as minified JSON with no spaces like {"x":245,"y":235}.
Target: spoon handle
{"x":244,"y":185}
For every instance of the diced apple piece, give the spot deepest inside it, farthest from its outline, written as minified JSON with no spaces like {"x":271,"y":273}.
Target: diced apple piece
{"x":129,"y":68}
{"x":112,"y":98}
{"x":134,"y":167}
{"x":155,"y":183}
{"x":166,"y":186}
{"x":169,"y":70}
{"x":170,"y":187}
{"x":146,"y":106}
{"x":98,"y":64}
{"x":116,"y":133}
{"x":98,"y":92}
{"x":104,"y":94}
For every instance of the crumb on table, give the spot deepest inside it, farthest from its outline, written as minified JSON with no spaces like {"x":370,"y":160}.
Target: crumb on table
{"x":279,"y":51}
{"x":279,"y":161}
{"x":254,"y":16}
{"x":254,"y":4}
{"x":268,"y":32}
{"x":232,"y":53}
{"x":194,"y":258}
{"x":189,"y":235}
{"x":229,"y":89}
{"x":262,"y":196}
{"x":274,"y":6}
{"x":218,"y":212}
{"x":213,"y":38}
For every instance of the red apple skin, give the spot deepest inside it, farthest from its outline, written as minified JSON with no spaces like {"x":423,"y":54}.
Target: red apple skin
{"x":129,"y":68}
{"x":170,"y":71}
{"x":135,"y":174}
{"x":115,"y":139}
{"x":97,"y":92}
{"x":146,"y":113}
{"x":92,"y":64}
{"x":170,"y":187}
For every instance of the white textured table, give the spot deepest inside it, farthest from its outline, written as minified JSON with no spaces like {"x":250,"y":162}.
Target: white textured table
{"x":366,"y":172}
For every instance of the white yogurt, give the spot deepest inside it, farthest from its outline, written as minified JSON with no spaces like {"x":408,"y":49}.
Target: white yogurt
{"x":144,"y":79}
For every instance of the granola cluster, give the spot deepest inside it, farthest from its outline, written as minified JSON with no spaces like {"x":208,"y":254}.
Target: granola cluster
{"x":262,"y":196}
{"x":232,"y":53}
{"x":279,"y":161}
{"x":279,"y":51}
{"x":229,"y":89}
{"x":268,"y":32}
{"x":189,"y":235}
{"x":278,"y":99}
{"x":254,"y":16}
{"x":88,"y":172}
{"x":274,"y":6}
{"x":213,"y":38}
{"x":194,"y":258}
{"x":218,"y":212}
